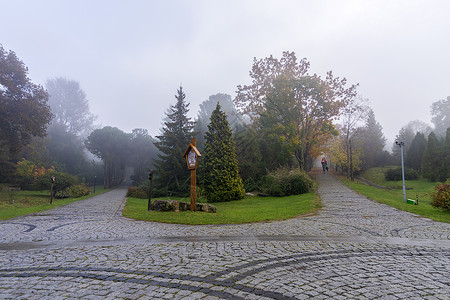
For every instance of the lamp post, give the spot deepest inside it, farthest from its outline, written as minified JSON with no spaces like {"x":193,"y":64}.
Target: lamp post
{"x":402,"y":145}
{"x":95,"y":181}
{"x":52,"y":180}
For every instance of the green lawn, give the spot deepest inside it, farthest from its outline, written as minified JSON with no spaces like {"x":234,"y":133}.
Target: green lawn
{"x":250,"y":209}
{"x":27,"y":202}
{"x":394,"y":197}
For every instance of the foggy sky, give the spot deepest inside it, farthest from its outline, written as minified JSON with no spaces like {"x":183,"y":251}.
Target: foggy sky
{"x":131,"y":56}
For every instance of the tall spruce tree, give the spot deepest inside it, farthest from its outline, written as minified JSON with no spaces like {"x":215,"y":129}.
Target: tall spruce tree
{"x":431,"y":160}
{"x":172,"y":174}
{"x":373,"y":142}
{"x":415,"y":152}
{"x":220,"y":175}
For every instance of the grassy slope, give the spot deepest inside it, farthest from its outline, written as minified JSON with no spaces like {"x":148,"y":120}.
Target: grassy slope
{"x":27,"y":202}
{"x":394,"y":197}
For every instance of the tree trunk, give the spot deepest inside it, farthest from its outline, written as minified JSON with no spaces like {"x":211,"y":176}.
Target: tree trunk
{"x":351,"y":160}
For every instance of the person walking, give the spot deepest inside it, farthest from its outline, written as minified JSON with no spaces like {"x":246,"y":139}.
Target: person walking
{"x":324,"y":165}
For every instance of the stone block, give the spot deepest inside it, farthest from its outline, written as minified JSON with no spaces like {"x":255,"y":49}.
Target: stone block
{"x":175,"y":205}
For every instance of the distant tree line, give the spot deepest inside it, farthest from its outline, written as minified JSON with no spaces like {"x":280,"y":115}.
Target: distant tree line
{"x":282,"y":121}
{"x":43,"y":132}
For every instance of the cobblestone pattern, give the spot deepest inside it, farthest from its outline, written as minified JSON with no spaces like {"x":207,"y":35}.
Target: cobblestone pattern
{"x":87,"y":250}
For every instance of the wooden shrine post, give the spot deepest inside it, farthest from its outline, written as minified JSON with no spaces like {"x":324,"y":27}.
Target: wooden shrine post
{"x":192,"y":155}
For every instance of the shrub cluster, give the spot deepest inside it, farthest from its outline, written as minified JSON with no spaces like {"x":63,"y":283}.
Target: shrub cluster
{"x":250,"y":185}
{"x":78,"y":190}
{"x":441,"y":198}
{"x":396,"y":174}
{"x":285,"y":182}
{"x":137,"y":192}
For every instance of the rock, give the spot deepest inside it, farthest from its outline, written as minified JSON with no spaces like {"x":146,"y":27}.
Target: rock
{"x":206,"y":207}
{"x":175,"y":205}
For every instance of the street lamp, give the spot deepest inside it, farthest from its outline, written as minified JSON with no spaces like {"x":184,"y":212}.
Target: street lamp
{"x":95,"y":181}
{"x":402,"y":145}
{"x":52,"y":181}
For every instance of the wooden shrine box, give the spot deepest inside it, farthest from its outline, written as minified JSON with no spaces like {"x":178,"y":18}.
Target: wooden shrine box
{"x":192,"y":154}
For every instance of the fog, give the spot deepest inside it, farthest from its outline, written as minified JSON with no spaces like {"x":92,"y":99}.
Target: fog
{"x":131,"y":56}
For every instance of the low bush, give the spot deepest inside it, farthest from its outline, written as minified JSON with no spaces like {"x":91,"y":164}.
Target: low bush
{"x":250,"y":185}
{"x":7,"y":170}
{"x":62,"y":181}
{"x":137,"y":192}
{"x":441,"y":197}
{"x":285,"y":182}
{"x":78,"y":190}
{"x":396,"y":174}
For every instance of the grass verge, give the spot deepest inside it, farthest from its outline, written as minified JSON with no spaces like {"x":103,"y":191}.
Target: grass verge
{"x":394,"y":197}
{"x":248,"y":210}
{"x":28,"y":202}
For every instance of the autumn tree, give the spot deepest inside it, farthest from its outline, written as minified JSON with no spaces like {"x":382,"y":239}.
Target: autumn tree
{"x":300,"y":112}
{"x":24,"y":111}
{"x":220,"y":172}
{"x":294,"y":105}
{"x":351,"y":117}
{"x":337,"y":151}
{"x":172,"y":173}
{"x":250,"y":99}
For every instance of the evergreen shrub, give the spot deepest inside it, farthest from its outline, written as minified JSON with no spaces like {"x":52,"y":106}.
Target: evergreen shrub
{"x":221,"y":181}
{"x":285,"y":182}
{"x":441,"y":197}
{"x":250,"y":185}
{"x":396,"y":174}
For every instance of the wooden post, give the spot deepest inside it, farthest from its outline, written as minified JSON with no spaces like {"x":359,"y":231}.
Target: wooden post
{"x":192,"y":155}
{"x":150,"y":178}
{"x":194,"y":190}
{"x":194,"y":181}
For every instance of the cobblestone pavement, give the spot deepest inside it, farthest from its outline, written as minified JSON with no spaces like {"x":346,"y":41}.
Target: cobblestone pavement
{"x":353,"y":248}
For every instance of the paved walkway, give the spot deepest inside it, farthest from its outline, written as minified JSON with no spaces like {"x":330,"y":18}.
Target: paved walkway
{"x":353,"y":248}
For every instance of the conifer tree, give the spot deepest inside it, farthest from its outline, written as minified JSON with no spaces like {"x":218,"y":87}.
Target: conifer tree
{"x":172,"y":175}
{"x":220,"y":177}
{"x":373,"y":141}
{"x":415,"y":152}
{"x":431,"y":160}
